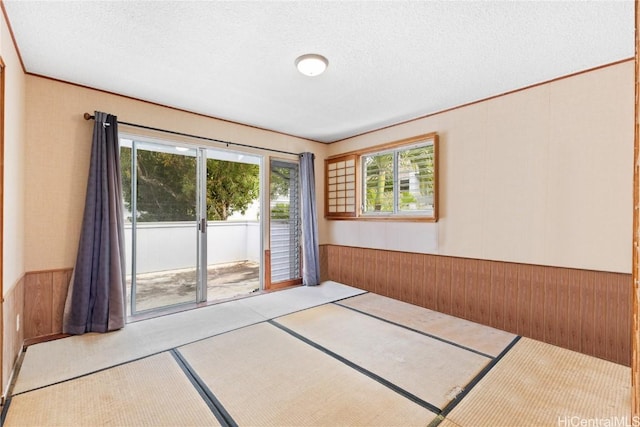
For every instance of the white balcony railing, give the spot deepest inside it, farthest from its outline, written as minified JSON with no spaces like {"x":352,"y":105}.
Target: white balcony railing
{"x":173,"y":245}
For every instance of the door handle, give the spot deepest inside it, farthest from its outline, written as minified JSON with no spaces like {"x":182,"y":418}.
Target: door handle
{"x":203,"y":225}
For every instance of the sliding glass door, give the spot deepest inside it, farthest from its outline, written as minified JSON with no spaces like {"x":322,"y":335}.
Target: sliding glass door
{"x":234,"y":236}
{"x":160,"y":188}
{"x":192,"y":224}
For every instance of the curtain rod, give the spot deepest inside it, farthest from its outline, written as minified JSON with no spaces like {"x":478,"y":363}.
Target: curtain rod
{"x":88,"y":116}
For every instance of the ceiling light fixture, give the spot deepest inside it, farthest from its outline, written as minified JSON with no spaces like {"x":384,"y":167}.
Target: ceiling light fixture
{"x":311,"y":64}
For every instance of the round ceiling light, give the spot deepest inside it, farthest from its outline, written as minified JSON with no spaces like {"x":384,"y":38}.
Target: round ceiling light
{"x":311,"y":64}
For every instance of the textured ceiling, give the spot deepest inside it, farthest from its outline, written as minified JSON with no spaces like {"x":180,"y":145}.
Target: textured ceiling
{"x":389,"y":61}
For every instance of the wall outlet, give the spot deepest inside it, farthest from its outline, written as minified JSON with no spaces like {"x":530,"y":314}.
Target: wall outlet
{"x":17,"y":323}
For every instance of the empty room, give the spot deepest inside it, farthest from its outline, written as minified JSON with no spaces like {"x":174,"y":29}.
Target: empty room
{"x":297,"y":213}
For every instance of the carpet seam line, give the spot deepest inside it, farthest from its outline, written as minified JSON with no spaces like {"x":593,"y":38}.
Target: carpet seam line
{"x":408,"y":395}
{"x":138,"y":358}
{"x":435,"y":337}
{"x":265,"y":319}
{"x":204,"y":391}
{"x":5,"y":411}
{"x":456,"y":400}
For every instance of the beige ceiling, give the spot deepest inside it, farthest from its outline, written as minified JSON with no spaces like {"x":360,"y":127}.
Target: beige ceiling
{"x":389,"y":61}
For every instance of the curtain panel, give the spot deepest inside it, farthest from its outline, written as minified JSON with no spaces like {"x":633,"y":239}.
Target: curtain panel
{"x":96,"y":296}
{"x":310,"y":245}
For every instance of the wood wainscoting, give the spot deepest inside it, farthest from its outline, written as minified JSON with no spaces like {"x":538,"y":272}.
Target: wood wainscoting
{"x":581,"y":310}
{"x":45,"y":293}
{"x":12,"y":332}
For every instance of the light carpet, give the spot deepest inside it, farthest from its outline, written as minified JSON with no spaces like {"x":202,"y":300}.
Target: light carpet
{"x":277,"y":304}
{"x":430,"y":369}
{"x":537,"y":384}
{"x":266,"y":377}
{"x":151,"y":391}
{"x":484,"y":339}
{"x":54,"y":361}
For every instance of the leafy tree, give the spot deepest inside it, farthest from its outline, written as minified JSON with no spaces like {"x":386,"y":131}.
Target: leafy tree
{"x":421,"y":161}
{"x":166,"y":186}
{"x":406,"y":199}
{"x":231,"y":187}
{"x":418,"y":162}
{"x":280,"y":211}
{"x":380,"y":182}
{"x":283,"y":181}
{"x":280,"y":178}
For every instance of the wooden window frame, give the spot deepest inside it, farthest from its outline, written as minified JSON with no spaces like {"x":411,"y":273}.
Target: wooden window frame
{"x":341,"y":206}
{"x":357,"y":155}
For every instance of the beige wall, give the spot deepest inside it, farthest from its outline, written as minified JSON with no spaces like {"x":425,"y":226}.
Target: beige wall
{"x":541,"y":176}
{"x":58,"y":147}
{"x":14,"y":137}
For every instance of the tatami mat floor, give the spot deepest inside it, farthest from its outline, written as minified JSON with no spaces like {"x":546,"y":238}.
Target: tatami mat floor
{"x":329,"y":355}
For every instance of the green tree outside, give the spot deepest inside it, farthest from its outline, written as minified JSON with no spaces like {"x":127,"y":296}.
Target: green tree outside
{"x":379,"y":177}
{"x":281,"y":186}
{"x":379,"y":182}
{"x":166,"y":186}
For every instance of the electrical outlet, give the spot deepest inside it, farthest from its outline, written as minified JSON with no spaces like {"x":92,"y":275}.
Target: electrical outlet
{"x":17,"y":323}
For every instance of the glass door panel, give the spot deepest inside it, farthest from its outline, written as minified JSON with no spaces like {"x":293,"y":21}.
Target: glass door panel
{"x":193,"y":227}
{"x":234,"y":237}
{"x":160,"y":187}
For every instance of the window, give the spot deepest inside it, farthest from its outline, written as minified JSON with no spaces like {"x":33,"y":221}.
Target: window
{"x":340,"y":199}
{"x":396,"y":181}
{"x":285,"y":222}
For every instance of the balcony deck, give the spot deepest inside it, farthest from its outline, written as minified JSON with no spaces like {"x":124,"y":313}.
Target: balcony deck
{"x":170,"y":287}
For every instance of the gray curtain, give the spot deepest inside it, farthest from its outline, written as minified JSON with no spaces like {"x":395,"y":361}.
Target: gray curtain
{"x":310,"y":248}
{"x":95,"y":301}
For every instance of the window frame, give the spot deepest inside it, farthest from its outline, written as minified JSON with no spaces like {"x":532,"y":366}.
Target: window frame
{"x":345,"y":162}
{"x":270,"y":283}
{"x":391,"y":147}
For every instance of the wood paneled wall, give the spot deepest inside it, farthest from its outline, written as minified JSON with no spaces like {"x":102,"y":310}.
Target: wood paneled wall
{"x":582,"y":310}
{"x":45,"y":294}
{"x":12,"y":338}
{"x":585,"y":311}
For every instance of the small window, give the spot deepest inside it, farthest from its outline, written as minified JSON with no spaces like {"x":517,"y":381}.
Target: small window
{"x":395,"y":181}
{"x":400,"y":181}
